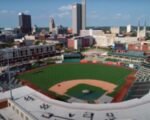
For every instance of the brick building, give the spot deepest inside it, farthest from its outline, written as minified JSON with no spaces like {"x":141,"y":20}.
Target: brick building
{"x":81,"y":42}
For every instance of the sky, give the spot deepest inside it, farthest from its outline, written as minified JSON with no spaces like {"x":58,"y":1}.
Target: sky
{"x":99,"y":12}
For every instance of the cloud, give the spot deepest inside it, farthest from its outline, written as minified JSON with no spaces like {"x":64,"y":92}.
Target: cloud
{"x":26,"y":11}
{"x":7,"y":12}
{"x":121,"y":16}
{"x":65,"y":8}
{"x":60,"y":14}
{"x":63,"y":11}
{"x":118,"y":14}
{"x":63,"y":14}
{"x":4,"y":11}
{"x":12,"y":12}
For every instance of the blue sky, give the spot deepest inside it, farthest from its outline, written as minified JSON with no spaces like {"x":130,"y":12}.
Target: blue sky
{"x":99,"y":12}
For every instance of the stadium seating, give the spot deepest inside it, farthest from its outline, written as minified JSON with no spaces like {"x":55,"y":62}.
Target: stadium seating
{"x":4,"y":82}
{"x":142,"y":84}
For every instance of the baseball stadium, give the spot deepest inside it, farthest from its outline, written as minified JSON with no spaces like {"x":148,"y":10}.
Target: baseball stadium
{"x":79,"y":82}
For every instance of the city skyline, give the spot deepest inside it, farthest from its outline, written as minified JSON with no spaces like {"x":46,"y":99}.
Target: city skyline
{"x":99,"y":12}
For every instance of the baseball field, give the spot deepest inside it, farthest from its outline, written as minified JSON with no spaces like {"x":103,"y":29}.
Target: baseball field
{"x":82,"y":81}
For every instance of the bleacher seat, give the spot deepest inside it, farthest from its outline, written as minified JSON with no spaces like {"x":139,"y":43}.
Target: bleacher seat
{"x":142,"y":84}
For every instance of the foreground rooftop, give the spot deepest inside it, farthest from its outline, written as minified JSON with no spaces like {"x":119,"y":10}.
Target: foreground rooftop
{"x":36,"y":106}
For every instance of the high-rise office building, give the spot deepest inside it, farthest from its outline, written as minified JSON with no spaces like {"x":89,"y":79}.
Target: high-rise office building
{"x":25,"y":23}
{"x":79,"y":17}
{"x":51,"y":25}
{"x":76,"y":18}
{"x":83,"y":14}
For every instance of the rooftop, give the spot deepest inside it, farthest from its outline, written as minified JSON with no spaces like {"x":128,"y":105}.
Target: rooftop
{"x":43,"y":108}
{"x":32,"y":46}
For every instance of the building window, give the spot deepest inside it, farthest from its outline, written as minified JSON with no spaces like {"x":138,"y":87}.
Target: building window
{"x":47,"y":48}
{"x":13,"y":54}
{"x":17,"y":111}
{"x":9,"y":104}
{"x":27,"y":118}
{"x":13,"y":107}
{"x":32,"y":51}
{"x":26,"y":52}
{"x":21,"y":53}
{"x":22,"y":115}
{"x":41,"y":49}
{"x":37,"y":50}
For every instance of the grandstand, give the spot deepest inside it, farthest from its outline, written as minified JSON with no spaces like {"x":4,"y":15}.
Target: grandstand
{"x":142,"y":84}
{"x":130,"y":55}
{"x":4,"y":82}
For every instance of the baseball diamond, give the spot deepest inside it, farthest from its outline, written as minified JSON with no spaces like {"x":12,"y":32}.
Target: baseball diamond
{"x":70,"y":79}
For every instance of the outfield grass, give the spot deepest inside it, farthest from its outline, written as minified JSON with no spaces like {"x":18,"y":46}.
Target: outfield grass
{"x":94,"y":92}
{"x":51,"y":75}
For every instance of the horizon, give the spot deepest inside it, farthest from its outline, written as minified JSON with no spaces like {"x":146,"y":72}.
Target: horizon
{"x":99,"y":13}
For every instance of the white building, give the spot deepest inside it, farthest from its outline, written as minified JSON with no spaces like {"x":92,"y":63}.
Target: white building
{"x":34,"y":29}
{"x":129,"y":28}
{"x":115,"y":30}
{"x":102,"y":39}
{"x":29,"y":37}
{"x":141,"y":33}
{"x":126,"y":39}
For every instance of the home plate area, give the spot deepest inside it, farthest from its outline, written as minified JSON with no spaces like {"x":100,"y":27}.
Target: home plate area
{"x":85,"y":91}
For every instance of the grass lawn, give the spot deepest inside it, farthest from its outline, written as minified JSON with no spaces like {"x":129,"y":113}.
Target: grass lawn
{"x":51,"y":75}
{"x":92,"y":94}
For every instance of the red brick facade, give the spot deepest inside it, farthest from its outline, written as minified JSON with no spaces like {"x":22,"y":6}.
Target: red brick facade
{"x":139,"y":47}
{"x":71,"y":43}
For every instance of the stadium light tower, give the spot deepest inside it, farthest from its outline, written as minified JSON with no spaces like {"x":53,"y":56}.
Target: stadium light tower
{"x":9,"y":77}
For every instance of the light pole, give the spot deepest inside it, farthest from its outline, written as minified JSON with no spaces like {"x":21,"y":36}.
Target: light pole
{"x":9,"y":77}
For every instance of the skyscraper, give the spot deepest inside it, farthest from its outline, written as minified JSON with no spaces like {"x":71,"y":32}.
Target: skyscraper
{"x":76,"y":18}
{"x":51,"y":25}
{"x":25,"y":23}
{"x":79,"y":17}
{"x":83,"y":14}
